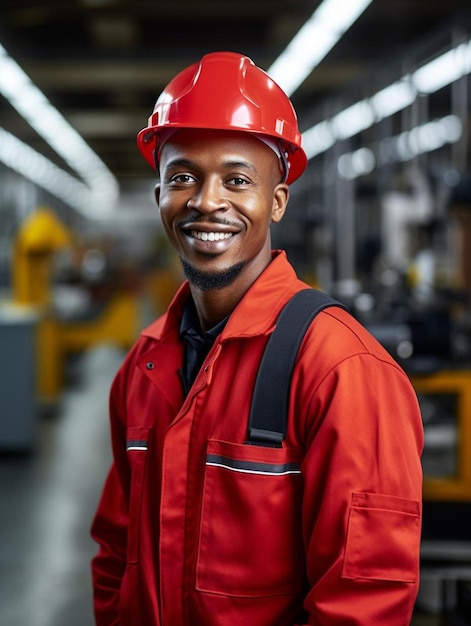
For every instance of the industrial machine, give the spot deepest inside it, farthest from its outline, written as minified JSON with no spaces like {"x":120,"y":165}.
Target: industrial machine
{"x":116,"y":320}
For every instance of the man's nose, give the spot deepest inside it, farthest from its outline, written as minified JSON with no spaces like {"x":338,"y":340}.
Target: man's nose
{"x":210,"y":196}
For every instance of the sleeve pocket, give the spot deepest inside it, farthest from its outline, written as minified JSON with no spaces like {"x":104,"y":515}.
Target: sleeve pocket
{"x":383,"y":538}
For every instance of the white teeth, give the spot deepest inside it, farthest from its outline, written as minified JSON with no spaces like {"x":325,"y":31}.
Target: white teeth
{"x":210,"y":236}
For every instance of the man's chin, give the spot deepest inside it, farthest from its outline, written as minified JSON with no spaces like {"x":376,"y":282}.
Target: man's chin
{"x":207,"y":281}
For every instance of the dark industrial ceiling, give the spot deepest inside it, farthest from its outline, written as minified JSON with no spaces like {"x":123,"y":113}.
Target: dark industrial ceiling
{"x":102,"y":63}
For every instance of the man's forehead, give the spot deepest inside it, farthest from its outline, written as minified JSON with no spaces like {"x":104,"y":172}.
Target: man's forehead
{"x":243,"y":142}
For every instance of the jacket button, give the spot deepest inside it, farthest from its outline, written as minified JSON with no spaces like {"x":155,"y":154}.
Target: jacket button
{"x":150,"y":365}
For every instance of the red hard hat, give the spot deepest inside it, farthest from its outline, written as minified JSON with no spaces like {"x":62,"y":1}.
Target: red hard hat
{"x":226,"y":91}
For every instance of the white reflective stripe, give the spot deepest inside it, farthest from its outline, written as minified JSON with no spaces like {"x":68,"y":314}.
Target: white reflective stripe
{"x":136,"y":448}
{"x":252,"y":467}
{"x":247,"y":471}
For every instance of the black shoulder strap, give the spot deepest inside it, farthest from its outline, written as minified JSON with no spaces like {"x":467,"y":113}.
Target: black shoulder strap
{"x":267,"y":422}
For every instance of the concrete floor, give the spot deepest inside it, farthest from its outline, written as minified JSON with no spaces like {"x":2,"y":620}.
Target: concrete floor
{"x":48,"y":500}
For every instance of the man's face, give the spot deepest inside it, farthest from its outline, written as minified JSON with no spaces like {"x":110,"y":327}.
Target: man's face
{"x":219,"y":193}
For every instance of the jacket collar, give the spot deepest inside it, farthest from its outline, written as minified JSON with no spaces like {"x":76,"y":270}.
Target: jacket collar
{"x":256,"y":312}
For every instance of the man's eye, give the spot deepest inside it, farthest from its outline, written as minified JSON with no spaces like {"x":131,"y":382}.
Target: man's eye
{"x":181,"y":178}
{"x":238,"y":181}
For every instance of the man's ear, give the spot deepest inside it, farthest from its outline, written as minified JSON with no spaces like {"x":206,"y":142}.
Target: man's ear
{"x":280,"y":201}
{"x":157,"y":193}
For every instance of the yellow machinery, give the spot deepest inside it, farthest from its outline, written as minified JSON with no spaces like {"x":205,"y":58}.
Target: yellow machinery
{"x":448,"y":475}
{"x":41,"y":236}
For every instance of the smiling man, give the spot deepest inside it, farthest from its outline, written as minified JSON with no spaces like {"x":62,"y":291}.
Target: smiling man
{"x":216,"y":207}
{"x":197,"y":525}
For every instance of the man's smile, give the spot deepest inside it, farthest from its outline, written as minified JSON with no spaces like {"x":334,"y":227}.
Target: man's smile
{"x":211,"y":236}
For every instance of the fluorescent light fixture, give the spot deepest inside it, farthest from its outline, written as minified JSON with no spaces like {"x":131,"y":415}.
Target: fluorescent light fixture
{"x":32,"y":165}
{"x":443,"y":70}
{"x":314,"y":41}
{"x":403,"y":147}
{"x":318,"y":139}
{"x":36,"y":109}
{"x":428,"y":137}
{"x":358,"y":163}
{"x":353,"y":120}
{"x":393,"y":98}
{"x":434,"y":75}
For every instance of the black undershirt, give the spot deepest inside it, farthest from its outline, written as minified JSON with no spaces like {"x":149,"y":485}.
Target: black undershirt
{"x":197,"y":343}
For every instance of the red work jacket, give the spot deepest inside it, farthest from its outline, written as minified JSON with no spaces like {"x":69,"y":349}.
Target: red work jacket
{"x":197,"y":528}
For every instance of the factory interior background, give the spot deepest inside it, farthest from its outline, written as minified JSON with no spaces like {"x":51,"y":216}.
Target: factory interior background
{"x":381,"y":220}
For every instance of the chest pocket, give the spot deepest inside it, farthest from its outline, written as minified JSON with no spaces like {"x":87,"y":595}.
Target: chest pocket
{"x":250,"y":534}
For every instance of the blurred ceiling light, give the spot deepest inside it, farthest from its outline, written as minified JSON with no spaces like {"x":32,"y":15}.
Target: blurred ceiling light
{"x":358,"y":163}
{"x":36,"y":109}
{"x":428,"y":137}
{"x":314,"y":41}
{"x":404,"y":147}
{"x":318,"y":139}
{"x":32,"y":165}
{"x":353,"y":120}
{"x":434,"y":75}
{"x":393,"y":98}
{"x":443,"y":70}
